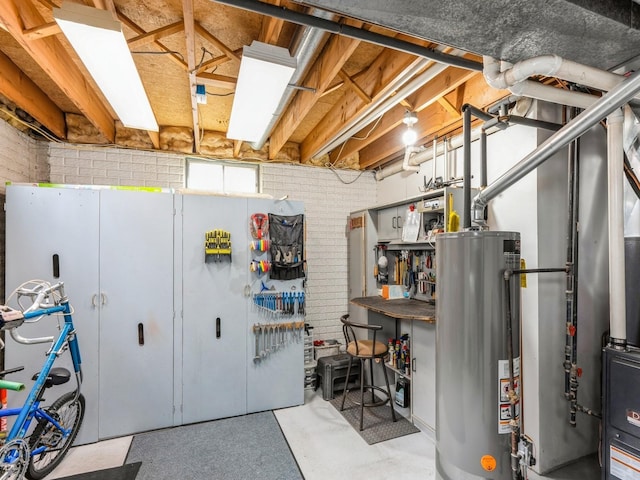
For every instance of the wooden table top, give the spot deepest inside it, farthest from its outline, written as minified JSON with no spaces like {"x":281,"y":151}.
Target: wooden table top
{"x":399,"y":308}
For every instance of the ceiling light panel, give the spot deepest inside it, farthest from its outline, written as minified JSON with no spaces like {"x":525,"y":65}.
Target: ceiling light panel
{"x":265,"y":72}
{"x":99,"y":42}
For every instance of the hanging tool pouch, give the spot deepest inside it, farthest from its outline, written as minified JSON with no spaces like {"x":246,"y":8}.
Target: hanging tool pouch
{"x":287,"y":236}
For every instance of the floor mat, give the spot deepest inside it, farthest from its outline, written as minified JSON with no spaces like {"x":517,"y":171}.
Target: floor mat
{"x":237,"y":448}
{"x":378,"y":424}
{"x":124,"y":472}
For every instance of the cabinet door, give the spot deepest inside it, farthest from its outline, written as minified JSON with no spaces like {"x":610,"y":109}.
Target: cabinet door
{"x":423,"y":379}
{"x":42,"y":222}
{"x":277,"y":380}
{"x":388,"y":224}
{"x":214,"y":359}
{"x":136,"y":311}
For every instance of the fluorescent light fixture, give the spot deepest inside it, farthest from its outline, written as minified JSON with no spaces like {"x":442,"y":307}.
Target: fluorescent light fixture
{"x":99,"y":42}
{"x":265,"y":72}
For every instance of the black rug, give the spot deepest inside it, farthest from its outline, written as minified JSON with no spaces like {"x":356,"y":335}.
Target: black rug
{"x":238,"y":448}
{"x":124,"y":472}
{"x":378,"y":426}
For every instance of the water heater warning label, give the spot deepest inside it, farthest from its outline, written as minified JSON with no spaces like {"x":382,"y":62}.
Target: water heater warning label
{"x":623,"y":465}
{"x":504,"y":404}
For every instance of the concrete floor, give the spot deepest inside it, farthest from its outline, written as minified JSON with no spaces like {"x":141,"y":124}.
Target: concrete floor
{"x":325,"y":447}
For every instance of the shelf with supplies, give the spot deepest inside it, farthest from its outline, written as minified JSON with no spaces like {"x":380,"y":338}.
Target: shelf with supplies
{"x":398,"y":372}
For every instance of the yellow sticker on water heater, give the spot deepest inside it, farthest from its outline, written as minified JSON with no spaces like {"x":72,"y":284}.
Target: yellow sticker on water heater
{"x":488,"y":463}
{"x":523,"y":276}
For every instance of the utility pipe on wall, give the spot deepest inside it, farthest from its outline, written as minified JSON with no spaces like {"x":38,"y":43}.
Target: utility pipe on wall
{"x":516,"y":79}
{"x":571,"y":292}
{"x":615,"y":195}
{"x":606,"y":104}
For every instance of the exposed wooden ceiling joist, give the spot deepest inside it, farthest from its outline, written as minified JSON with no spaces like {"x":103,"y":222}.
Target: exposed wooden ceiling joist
{"x":204,"y":33}
{"x":442,"y":84}
{"x":190,"y":34}
{"x":158,"y":45}
{"x":21,"y":90}
{"x":375,"y":82}
{"x":217,"y":81}
{"x":52,"y":57}
{"x":155,"y":35}
{"x":432,"y":120}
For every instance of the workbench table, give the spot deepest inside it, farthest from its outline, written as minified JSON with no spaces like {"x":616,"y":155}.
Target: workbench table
{"x":399,"y":308}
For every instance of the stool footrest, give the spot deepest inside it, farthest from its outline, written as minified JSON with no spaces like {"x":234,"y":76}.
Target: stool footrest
{"x":367,"y":388}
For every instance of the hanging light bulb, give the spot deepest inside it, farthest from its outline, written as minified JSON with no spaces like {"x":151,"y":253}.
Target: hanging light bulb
{"x":410,"y":136}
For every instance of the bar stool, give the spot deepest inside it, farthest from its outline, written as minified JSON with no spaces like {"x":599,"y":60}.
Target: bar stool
{"x":365,"y":350}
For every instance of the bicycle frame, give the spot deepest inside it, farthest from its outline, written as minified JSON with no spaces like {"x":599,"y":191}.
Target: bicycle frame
{"x":31,"y":407}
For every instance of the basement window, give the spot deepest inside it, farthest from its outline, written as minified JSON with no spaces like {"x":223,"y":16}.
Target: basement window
{"x":221,"y":176}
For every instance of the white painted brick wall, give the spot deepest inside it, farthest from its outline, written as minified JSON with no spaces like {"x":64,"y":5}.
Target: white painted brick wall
{"x":115,"y":166}
{"x":22,"y":159}
{"x":327,"y":202}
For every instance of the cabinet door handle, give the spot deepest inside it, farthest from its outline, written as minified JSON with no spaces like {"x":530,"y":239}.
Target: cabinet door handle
{"x":103,"y":299}
{"x":218,"y":327}
{"x":94,"y":299}
{"x":413,"y":364}
{"x":56,"y":265}
{"x":394,"y":220}
{"x":140,"y":334}
{"x":399,"y":222}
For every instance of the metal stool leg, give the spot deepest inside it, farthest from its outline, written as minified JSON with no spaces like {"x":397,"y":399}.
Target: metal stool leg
{"x":362,"y":362}
{"x":346,"y":383}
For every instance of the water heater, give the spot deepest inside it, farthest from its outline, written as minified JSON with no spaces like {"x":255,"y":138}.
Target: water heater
{"x":472,"y":362}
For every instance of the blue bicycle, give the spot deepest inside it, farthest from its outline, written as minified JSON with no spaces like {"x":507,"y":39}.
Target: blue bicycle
{"x":41,"y":436}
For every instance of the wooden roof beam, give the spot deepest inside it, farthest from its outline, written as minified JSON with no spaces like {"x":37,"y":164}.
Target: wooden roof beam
{"x":442,"y":84}
{"x":217,"y":81}
{"x":376,"y":82}
{"x":271,"y":27}
{"x":431,"y":120}
{"x":204,"y":33}
{"x":155,"y":35}
{"x":53,"y":58}
{"x":158,"y":45}
{"x":354,"y":86}
{"x":335,"y":54}
{"x":41,"y":31}
{"x":190,"y":37}
{"x":21,"y":90}
{"x":214,"y":62}
{"x":106,"y":5}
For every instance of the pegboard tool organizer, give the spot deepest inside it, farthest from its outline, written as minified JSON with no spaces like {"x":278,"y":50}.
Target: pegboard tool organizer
{"x":217,"y":245}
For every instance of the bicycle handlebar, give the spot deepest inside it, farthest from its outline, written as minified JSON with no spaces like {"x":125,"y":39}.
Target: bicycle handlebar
{"x":40,"y":306}
{"x":40,"y":292}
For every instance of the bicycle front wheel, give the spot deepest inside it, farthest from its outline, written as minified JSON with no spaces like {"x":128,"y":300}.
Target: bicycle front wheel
{"x":69,"y":413}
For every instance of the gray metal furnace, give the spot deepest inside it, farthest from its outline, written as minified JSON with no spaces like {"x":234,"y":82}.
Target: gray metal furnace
{"x":472,"y":374}
{"x":621,"y":383}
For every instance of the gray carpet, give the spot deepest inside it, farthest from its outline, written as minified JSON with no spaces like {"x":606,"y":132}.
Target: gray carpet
{"x":124,"y":472}
{"x":248,"y":447}
{"x":378,"y":424}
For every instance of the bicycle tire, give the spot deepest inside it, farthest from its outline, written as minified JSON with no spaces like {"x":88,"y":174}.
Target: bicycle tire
{"x":67,"y":412}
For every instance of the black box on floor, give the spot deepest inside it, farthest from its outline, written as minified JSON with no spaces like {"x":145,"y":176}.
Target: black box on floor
{"x":332,"y":372}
